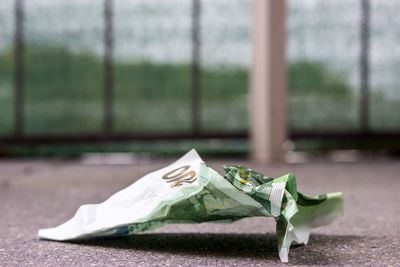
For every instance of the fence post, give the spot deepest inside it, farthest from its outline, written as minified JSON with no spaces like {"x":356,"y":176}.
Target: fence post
{"x":19,"y":68}
{"x":108,"y":66}
{"x":364,"y":65}
{"x":196,"y":54}
{"x":268,"y":82}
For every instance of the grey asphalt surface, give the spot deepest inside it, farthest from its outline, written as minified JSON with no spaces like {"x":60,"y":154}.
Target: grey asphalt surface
{"x":40,"y":194}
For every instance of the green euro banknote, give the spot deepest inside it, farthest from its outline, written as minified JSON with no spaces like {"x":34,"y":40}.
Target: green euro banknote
{"x":188,"y":191}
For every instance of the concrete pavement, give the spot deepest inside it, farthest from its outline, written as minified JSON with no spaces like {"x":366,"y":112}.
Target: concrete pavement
{"x":39,"y":194}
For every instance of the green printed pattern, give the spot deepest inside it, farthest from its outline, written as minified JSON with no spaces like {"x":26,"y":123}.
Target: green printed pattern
{"x":295,"y":213}
{"x":298,"y":213}
{"x":205,"y":197}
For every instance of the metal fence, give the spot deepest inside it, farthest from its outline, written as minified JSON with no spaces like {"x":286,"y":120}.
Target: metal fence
{"x":198,"y":119}
{"x":355,"y":43}
{"x":107,"y":133}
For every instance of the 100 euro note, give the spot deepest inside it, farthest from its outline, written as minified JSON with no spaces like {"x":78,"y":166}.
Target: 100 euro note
{"x":188,"y":191}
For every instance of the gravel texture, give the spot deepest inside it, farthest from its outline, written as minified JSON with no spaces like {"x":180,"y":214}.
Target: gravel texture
{"x":39,"y":194}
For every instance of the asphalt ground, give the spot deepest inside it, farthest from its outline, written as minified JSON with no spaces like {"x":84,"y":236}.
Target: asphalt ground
{"x":40,"y":194}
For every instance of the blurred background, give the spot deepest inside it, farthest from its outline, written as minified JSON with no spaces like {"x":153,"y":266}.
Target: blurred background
{"x":160,"y":77}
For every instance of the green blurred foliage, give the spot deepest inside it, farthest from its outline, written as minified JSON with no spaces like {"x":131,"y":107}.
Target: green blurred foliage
{"x":55,"y":73}
{"x":64,"y":94}
{"x":314,"y":78}
{"x":6,"y":92}
{"x":320,"y":98}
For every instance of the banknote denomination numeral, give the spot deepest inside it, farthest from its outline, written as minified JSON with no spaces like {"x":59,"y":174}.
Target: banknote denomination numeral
{"x":179,"y":176}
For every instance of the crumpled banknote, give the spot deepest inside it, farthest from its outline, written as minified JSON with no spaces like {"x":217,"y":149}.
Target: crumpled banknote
{"x":188,"y":191}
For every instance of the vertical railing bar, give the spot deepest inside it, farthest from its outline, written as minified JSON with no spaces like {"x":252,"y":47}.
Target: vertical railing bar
{"x":365,"y":66}
{"x":196,"y":58}
{"x":19,"y":68}
{"x":108,"y":66}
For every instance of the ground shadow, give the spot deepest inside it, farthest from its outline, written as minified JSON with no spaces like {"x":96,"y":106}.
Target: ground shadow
{"x":321,"y":249}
